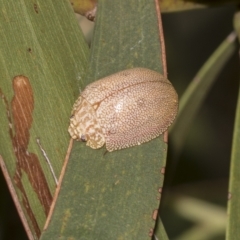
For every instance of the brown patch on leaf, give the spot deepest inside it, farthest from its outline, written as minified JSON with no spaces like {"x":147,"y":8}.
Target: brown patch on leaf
{"x":150,"y":233}
{"x":162,"y":170}
{"x":35,"y":6}
{"x":27,"y":207}
{"x":155,"y":214}
{"x":22,"y":106}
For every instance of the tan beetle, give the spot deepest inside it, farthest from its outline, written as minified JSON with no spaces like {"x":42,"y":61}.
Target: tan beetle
{"x":124,"y":109}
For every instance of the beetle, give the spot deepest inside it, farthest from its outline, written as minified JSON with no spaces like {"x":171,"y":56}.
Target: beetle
{"x":124,"y":109}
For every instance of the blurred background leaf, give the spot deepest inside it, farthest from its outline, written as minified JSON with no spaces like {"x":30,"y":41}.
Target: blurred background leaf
{"x":203,"y":166}
{"x":233,"y":231}
{"x":198,"y":89}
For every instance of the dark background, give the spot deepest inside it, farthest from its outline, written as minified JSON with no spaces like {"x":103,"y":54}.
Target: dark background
{"x":202,"y":169}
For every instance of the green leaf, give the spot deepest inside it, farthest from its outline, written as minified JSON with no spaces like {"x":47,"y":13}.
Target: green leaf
{"x":233,"y":231}
{"x":43,"y":42}
{"x":160,"y":233}
{"x":114,"y":195}
{"x":198,"y":89}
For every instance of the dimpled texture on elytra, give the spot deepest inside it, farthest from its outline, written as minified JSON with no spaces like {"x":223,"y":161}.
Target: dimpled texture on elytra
{"x":124,"y":109}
